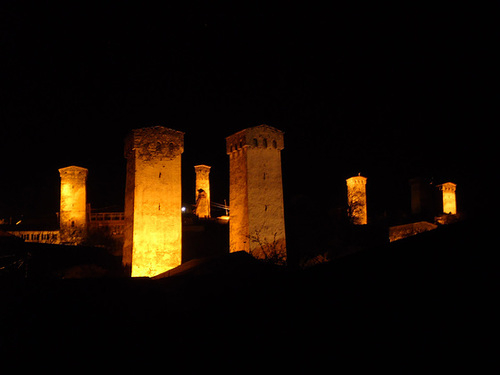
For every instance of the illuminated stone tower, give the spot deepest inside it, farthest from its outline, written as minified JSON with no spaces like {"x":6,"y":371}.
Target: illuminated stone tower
{"x":73,"y":210}
{"x":256,"y":213}
{"x":202,"y":186}
{"x":356,"y":199}
{"x":153,"y":202}
{"x":449,"y":198}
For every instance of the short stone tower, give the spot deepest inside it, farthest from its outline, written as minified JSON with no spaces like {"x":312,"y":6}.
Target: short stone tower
{"x":449,"y":198}
{"x":153,"y":202}
{"x":256,"y":213}
{"x":356,"y":199}
{"x":202,"y":193}
{"x":73,"y":210}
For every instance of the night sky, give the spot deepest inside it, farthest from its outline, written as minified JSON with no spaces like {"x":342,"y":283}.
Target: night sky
{"x":388,"y":93}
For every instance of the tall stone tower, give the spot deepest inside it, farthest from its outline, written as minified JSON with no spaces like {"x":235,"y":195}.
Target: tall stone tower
{"x":449,"y":198}
{"x":256,"y":213}
{"x":73,"y":210}
{"x":153,"y":202}
{"x":356,"y":199}
{"x":422,"y":196}
{"x":202,"y":186}
{"x":416,"y":195}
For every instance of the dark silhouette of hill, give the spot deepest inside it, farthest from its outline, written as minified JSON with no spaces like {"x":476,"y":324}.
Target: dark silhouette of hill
{"x":19,"y":259}
{"x":420,"y":301}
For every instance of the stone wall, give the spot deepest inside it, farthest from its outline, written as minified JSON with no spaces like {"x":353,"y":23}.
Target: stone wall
{"x":448,"y":190}
{"x":73,"y":210}
{"x":257,"y":223}
{"x":153,"y":201}
{"x":202,"y":183}
{"x":356,"y":200}
{"x":399,"y":232}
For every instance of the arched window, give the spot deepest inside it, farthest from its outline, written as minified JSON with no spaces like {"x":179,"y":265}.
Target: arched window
{"x":264,"y":142}
{"x":255,"y":142}
{"x":275,"y":145}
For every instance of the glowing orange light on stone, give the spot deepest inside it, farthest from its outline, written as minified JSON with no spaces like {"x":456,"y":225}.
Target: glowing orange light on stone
{"x":256,"y":210}
{"x":202,"y":183}
{"x":73,"y":210}
{"x":153,"y":202}
{"x":449,"y":198}
{"x":356,"y":199}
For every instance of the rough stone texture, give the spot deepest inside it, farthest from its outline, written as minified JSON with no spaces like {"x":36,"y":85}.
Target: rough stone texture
{"x":256,"y":223}
{"x":238,"y":202}
{"x":356,"y":199}
{"x":449,"y":197}
{"x":73,"y":210}
{"x":153,"y":201}
{"x":202,"y":183}
{"x":399,"y":232}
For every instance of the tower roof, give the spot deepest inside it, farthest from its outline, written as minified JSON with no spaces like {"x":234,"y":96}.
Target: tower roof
{"x":263,"y":136}
{"x":447,"y":186}
{"x":72,"y":168}
{"x":258,"y":128}
{"x":73,"y":171}
{"x":156,"y":129}
{"x":157,"y":141}
{"x":357,"y":178}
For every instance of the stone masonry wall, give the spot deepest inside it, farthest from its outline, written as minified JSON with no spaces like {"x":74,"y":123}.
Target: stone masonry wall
{"x":153,"y":200}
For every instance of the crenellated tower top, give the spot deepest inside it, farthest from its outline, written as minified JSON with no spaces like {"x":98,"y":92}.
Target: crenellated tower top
{"x":74,"y":172}
{"x":447,"y":186}
{"x":262,"y":136}
{"x":155,"y":142}
{"x":356,"y":180}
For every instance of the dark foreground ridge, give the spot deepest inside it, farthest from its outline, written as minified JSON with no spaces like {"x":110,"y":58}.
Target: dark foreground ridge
{"x":418,"y":300}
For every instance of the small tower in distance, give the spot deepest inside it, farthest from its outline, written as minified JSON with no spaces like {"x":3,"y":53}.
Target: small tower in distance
{"x":449,"y":198}
{"x":356,"y":199}
{"x":256,"y":212}
{"x":153,"y":201}
{"x":202,"y":191}
{"x":73,"y":210}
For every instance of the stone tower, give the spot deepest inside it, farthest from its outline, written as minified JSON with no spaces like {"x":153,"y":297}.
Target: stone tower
{"x":256,"y":213}
{"x":153,"y":202}
{"x":423,"y":194}
{"x":356,"y":199}
{"x":416,"y":195}
{"x":73,"y":210}
{"x":202,"y":186}
{"x":449,"y":198}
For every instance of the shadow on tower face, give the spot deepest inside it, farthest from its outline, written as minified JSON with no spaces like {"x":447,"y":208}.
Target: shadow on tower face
{"x":257,"y":223}
{"x":153,"y":216}
{"x":73,"y":210}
